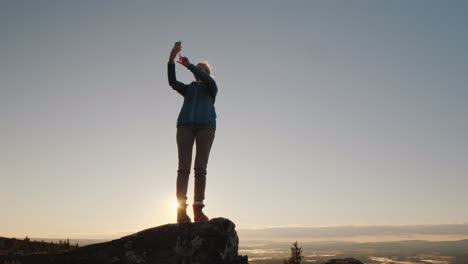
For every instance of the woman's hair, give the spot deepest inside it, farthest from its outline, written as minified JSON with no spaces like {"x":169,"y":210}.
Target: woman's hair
{"x":206,"y":66}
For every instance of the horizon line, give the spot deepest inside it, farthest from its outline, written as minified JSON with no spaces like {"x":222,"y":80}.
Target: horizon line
{"x":347,"y":225}
{"x":120,"y":234}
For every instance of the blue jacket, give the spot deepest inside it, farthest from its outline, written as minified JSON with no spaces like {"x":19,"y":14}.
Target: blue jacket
{"x":199,"y":98}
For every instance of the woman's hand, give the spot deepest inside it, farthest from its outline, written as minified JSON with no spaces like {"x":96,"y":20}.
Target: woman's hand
{"x":175,"y":50}
{"x":184,"y":61}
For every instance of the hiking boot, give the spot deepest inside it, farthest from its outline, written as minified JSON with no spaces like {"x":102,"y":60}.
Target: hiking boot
{"x":182,"y":216}
{"x":198,"y":215}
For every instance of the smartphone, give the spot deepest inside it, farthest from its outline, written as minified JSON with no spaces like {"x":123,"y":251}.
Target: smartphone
{"x":178,"y":43}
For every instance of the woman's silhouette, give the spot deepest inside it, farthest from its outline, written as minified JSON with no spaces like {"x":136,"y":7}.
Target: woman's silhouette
{"x":196,"y":123}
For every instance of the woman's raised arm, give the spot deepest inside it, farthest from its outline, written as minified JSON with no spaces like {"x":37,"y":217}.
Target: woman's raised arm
{"x":171,"y":75}
{"x":205,"y":77}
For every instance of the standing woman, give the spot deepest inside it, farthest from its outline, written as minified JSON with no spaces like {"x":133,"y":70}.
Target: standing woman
{"x":196,"y":123}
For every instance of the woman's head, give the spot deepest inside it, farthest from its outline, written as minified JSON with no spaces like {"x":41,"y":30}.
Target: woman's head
{"x":204,"y":66}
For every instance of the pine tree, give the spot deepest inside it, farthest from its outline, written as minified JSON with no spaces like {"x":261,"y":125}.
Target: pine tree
{"x":67,"y":244}
{"x":296,"y":255}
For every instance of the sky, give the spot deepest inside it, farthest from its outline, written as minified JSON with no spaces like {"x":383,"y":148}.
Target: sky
{"x":328,"y":113}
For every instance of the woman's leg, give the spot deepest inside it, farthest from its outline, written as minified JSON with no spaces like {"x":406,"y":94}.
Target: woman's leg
{"x":204,"y":138}
{"x":185,"y":139}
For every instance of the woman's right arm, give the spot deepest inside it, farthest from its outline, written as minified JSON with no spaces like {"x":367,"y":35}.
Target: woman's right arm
{"x":176,"y":85}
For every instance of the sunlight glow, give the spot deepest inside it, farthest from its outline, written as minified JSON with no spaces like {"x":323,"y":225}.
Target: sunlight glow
{"x":174,"y":206}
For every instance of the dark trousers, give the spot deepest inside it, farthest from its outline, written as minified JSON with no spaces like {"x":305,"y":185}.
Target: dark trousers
{"x":203,"y":136}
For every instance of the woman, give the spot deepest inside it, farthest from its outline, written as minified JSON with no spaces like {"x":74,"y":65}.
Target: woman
{"x":196,"y":123}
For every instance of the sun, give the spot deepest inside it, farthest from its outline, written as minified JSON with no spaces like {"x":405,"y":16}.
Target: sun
{"x":175,"y":205}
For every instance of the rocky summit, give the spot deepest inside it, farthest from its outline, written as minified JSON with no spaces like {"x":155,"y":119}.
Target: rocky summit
{"x":344,"y":261}
{"x":209,"y":242}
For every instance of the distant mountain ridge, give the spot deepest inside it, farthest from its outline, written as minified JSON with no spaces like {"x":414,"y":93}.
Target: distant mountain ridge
{"x":440,"y":232}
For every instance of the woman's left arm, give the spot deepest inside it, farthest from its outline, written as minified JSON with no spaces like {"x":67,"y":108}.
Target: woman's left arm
{"x":205,"y":77}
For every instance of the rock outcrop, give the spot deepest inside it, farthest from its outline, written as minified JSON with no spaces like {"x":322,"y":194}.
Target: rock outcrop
{"x":344,"y":261}
{"x":210,"y":242}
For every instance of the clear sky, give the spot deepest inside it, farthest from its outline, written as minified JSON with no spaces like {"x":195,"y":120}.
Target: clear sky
{"x":329,"y":113}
